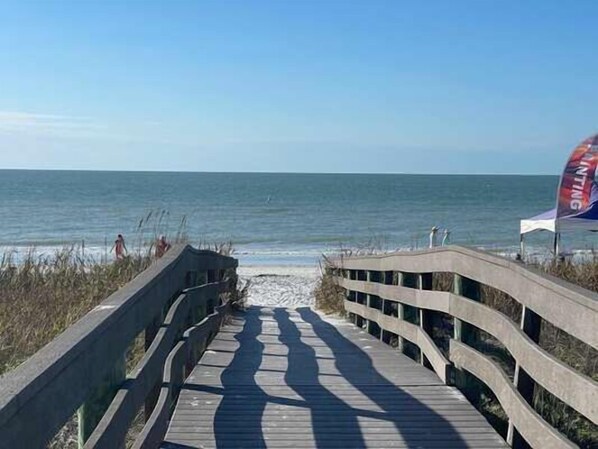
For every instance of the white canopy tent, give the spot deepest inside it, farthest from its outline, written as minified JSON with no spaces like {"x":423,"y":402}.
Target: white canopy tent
{"x":547,"y":221}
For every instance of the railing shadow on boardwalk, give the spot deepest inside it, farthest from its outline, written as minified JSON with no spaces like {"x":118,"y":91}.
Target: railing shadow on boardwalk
{"x":235,"y":384}
{"x":250,"y":348}
{"x":238,"y":380}
{"x":393,"y":394}
{"x":302,"y":376}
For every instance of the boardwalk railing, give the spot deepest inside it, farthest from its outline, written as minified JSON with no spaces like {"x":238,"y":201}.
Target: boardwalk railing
{"x":177,"y":305}
{"x":392,"y":294}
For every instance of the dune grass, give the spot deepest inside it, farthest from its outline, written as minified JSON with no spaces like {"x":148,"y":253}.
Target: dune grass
{"x":43,"y":295}
{"x":329,"y":296}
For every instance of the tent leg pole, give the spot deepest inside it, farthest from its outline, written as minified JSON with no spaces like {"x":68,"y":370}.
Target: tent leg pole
{"x":521,"y":247}
{"x":558,"y":244}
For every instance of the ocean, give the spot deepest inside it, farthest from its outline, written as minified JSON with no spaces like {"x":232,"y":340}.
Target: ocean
{"x":272,"y":218}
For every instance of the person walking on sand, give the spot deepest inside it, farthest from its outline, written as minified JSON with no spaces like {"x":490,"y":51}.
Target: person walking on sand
{"x":162,"y":246}
{"x":119,"y":247}
{"x":433,"y":233}
{"x":446,"y":238}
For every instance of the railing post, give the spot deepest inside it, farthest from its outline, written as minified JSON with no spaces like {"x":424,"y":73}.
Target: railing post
{"x":531,"y":324}
{"x":349,"y":296}
{"x":92,"y":410}
{"x":368,"y":303}
{"x":191,"y":279}
{"x":150,"y":334}
{"x":212,"y":276}
{"x":359,"y":320}
{"x":386,"y":279}
{"x":400,"y":312}
{"x":470,"y":289}
{"x":424,"y":282}
{"x":202,"y":278}
{"x":463,"y":331}
{"x":382,"y":309}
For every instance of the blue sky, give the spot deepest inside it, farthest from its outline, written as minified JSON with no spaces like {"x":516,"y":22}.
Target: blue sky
{"x":301,"y":86}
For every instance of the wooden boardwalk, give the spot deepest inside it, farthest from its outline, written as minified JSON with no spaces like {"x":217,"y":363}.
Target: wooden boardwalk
{"x":283,"y":378}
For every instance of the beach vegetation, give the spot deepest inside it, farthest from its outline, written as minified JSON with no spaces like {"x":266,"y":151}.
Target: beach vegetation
{"x":42,"y":294}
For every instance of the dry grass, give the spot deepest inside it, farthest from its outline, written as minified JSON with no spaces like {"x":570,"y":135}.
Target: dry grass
{"x":563,"y":346}
{"x":43,"y":295}
{"x":573,"y":352}
{"x":40,"y":296}
{"x":328,"y":294}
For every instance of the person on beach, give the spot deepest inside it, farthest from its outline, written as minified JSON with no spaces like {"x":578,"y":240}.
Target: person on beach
{"x":119,"y":247}
{"x":433,"y":233}
{"x":162,"y":246}
{"x":446,"y":237}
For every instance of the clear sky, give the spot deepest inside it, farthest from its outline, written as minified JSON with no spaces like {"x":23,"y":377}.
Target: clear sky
{"x":310,"y":86}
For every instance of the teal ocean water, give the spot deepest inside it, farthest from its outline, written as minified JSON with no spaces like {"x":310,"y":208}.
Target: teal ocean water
{"x":273,"y":218}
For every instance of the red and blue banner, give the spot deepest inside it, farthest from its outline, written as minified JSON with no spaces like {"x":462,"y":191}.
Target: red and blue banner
{"x":578,"y":189}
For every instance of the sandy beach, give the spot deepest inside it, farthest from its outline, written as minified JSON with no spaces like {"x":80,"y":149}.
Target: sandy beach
{"x":280,"y":286}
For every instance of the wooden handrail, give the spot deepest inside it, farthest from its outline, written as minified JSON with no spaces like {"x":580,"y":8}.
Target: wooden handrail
{"x":569,"y":307}
{"x":155,"y":428}
{"x":39,"y":396}
{"x":410,"y":331}
{"x":577,"y":390}
{"x":533,"y":428}
{"x":115,"y":423}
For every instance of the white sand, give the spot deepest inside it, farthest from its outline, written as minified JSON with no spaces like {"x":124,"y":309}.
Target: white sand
{"x":280,"y":286}
{"x":285,"y":286}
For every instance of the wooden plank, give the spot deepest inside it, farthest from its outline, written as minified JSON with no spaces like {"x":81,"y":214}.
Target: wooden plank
{"x":280,"y":378}
{"x":303,"y":443}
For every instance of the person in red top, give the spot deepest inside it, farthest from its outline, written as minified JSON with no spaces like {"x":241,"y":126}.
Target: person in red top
{"x":119,"y":247}
{"x":162,"y":246}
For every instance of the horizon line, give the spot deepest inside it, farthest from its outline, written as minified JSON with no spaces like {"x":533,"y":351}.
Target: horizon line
{"x":271,"y":172}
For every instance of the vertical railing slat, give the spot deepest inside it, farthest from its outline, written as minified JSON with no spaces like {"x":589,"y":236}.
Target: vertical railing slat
{"x":401,"y":312}
{"x":463,"y":331}
{"x":93,"y":409}
{"x":531,"y":323}
{"x":424,"y":282}
{"x":150,"y":334}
